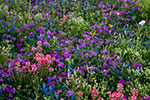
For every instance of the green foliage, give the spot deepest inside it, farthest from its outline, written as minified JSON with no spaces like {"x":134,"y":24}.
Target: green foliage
{"x":3,"y":59}
{"x":145,"y":6}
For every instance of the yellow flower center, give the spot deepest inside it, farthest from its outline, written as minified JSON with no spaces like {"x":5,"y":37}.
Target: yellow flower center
{"x":110,"y":25}
{"x":93,"y":34}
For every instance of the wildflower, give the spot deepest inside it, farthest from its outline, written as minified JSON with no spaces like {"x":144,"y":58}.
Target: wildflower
{"x":94,"y":92}
{"x":100,"y":98}
{"x":93,"y":34}
{"x":136,"y":7}
{"x":101,"y":5}
{"x":142,"y":22}
{"x":46,"y":44}
{"x":69,"y":93}
{"x":134,"y":92}
{"x":19,"y":86}
{"x":146,"y":96}
{"x":104,"y":51}
{"x":39,"y":43}
{"x":51,"y":69}
{"x":127,"y":6}
{"x":121,"y":80}
{"x":72,"y":96}
{"x":110,"y":25}
{"x":109,"y":92}
{"x":80,"y":93}
{"x":10,"y":96}
{"x":63,"y":87}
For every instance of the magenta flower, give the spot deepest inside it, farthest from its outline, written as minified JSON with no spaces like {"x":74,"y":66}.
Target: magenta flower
{"x":101,"y":4}
{"x":106,"y":15}
{"x":104,"y":51}
{"x":69,"y":93}
{"x":136,"y":7}
{"x":127,"y":6}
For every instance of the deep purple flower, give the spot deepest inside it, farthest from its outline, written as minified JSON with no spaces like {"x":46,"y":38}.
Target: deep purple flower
{"x":136,"y":64}
{"x":136,"y":7}
{"x":19,"y":45}
{"x":41,"y":29}
{"x":13,"y":38}
{"x":106,"y":15}
{"x":10,"y":96}
{"x":121,"y":80}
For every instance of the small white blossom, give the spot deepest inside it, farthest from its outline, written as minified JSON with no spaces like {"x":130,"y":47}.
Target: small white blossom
{"x":142,"y":22}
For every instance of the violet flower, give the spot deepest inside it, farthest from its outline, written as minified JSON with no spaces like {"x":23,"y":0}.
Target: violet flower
{"x":69,"y":93}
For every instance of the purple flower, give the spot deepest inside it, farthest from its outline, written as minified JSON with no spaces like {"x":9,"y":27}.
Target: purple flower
{"x":10,"y":96}
{"x":19,"y":45}
{"x":121,"y":80}
{"x":41,"y":29}
{"x":136,"y":7}
{"x":86,"y":55}
{"x":127,"y":6}
{"x":21,"y":4}
{"x":60,"y":64}
{"x":49,"y":32}
{"x":41,"y":36}
{"x":60,"y":78}
{"x":136,"y":64}
{"x":104,"y":51}
{"x":13,"y":38}
{"x":101,"y":4}
{"x":46,"y":44}
{"x":69,"y":93}
{"x":106,"y":15}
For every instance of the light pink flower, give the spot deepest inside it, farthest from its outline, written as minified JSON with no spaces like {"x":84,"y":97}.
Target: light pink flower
{"x":51,"y":69}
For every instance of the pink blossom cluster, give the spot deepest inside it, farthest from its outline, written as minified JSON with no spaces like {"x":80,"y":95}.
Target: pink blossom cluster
{"x":118,"y":95}
{"x":94,"y":94}
{"x":41,"y":59}
{"x":80,"y":93}
{"x":39,"y":43}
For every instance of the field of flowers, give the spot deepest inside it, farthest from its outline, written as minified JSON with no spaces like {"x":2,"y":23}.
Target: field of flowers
{"x":74,"y":50}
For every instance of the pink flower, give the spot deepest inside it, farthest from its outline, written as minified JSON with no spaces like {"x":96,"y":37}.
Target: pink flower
{"x":80,"y":93}
{"x":146,"y":96}
{"x":39,"y":43}
{"x":133,"y":97}
{"x":19,"y":86}
{"x":17,"y":63}
{"x":51,"y":69}
{"x":33,"y":48}
{"x":109,"y":92}
{"x":48,"y":56}
{"x":64,"y":17}
{"x":28,"y":63}
{"x":94,"y":92}
{"x":134,"y":92}
{"x":100,"y":98}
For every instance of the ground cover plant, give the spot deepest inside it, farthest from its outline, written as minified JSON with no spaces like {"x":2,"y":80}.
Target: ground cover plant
{"x":74,"y":50}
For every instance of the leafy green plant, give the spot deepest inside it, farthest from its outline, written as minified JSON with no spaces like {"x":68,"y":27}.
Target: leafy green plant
{"x":144,"y":5}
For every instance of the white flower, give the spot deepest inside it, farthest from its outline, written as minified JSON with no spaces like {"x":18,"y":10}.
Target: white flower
{"x":142,"y":22}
